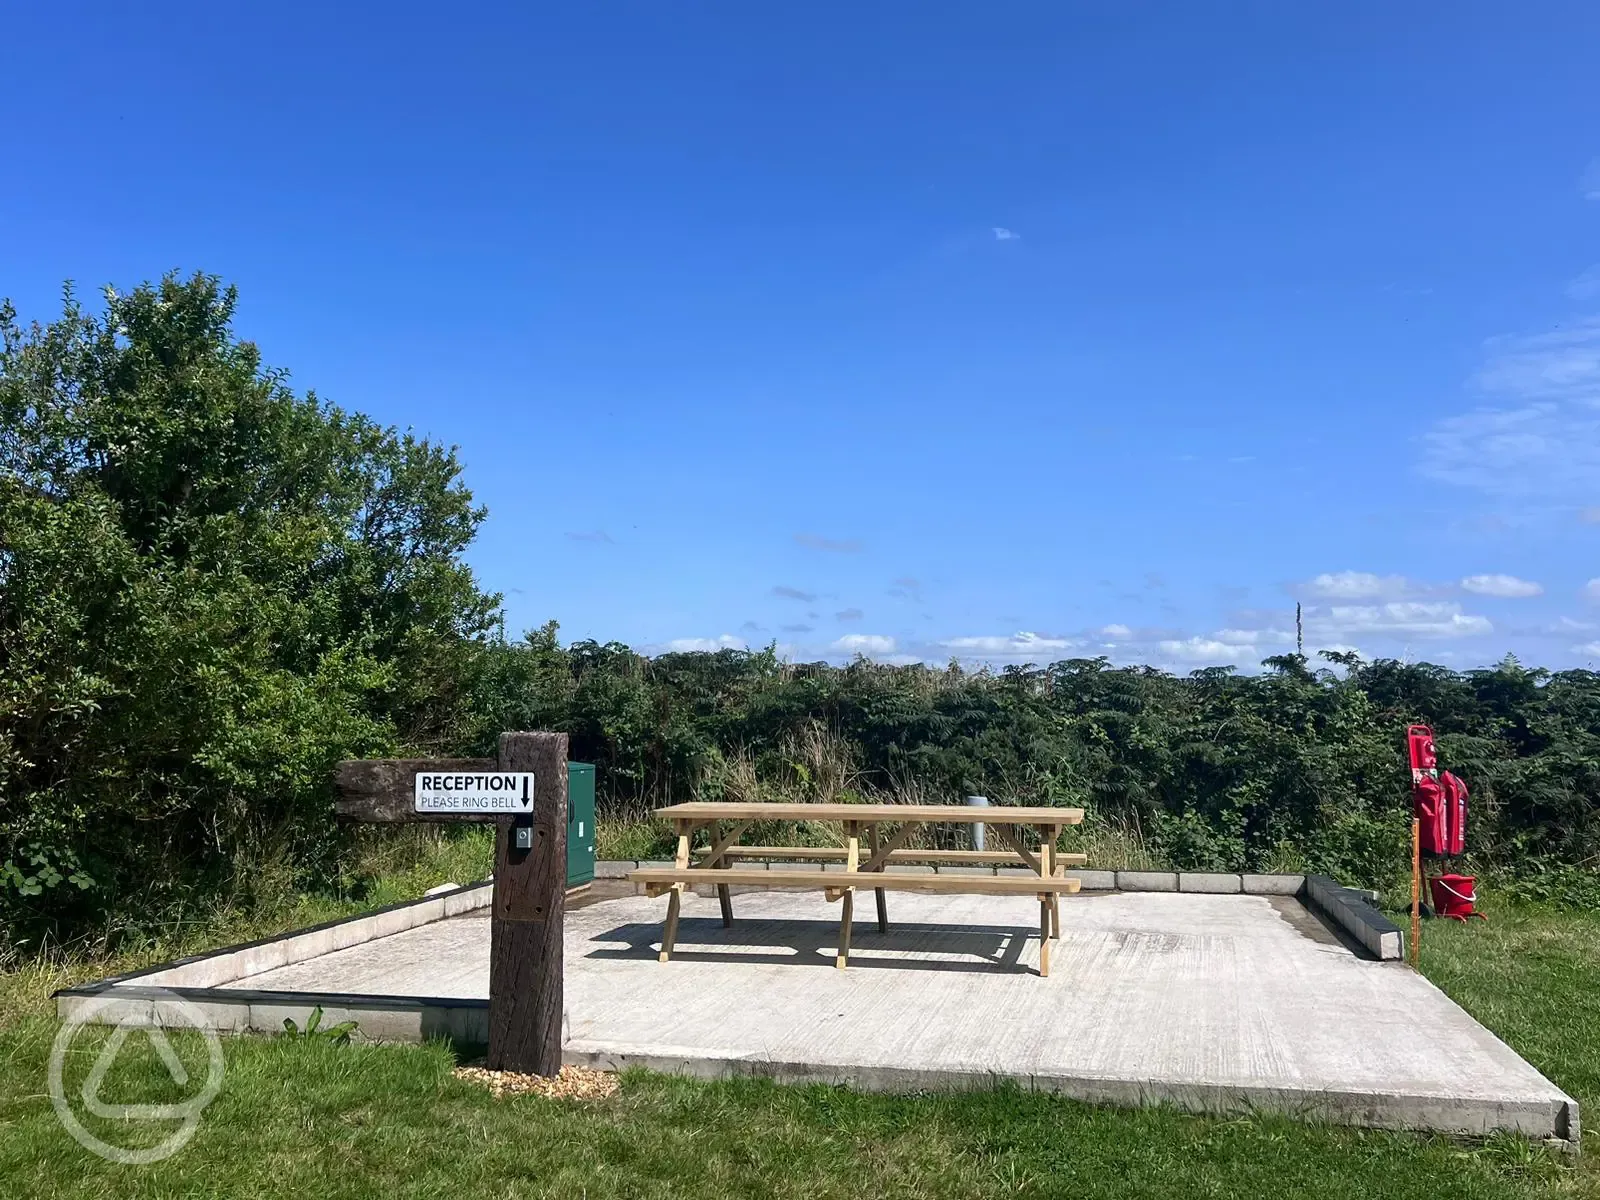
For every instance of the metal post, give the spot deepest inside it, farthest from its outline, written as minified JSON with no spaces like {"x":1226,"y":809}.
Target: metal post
{"x":1416,"y":892}
{"x":977,"y":829}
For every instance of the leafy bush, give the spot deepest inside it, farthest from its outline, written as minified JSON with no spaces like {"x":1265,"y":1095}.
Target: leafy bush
{"x":1291,"y":767}
{"x":211,"y":590}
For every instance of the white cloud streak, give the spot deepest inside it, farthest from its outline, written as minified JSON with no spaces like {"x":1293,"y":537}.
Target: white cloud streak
{"x":689,"y":645}
{"x":1402,"y":618}
{"x":1202,"y":651}
{"x":1543,"y":439}
{"x":1354,"y":585}
{"x":870,"y":644}
{"x":1019,"y":645}
{"x":1507,"y":587}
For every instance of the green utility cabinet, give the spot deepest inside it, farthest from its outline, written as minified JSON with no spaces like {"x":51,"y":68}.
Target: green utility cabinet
{"x":580,"y":823}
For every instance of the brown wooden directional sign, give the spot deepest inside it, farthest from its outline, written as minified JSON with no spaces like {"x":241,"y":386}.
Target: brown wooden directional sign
{"x":523,"y":791}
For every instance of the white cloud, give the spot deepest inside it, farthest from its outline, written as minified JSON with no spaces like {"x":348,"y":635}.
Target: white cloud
{"x":870,"y":644}
{"x":1203,"y":650}
{"x":1586,"y":286}
{"x":1018,"y":645}
{"x":1254,"y":637}
{"x":1002,"y":234}
{"x":1354,"y":585}
{"x":1590,"y":649}
{"x":1592,"y":590}
{"x":1545,"y":439}
{"x":686,"y":645}
{"x":1504,"y":586}
{"x":1407,"y":618}
{"x":1119,"y":632}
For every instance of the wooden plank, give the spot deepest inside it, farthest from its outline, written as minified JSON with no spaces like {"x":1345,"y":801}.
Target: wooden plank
{"x":383,"y":790}
{"x":882,"y":854}
{"x":912,"y":855}
{"x":845,"y":914}
{"x":1000,"y":814}
{"x":721,"y":844}
{"x":526,"y":915}
{"x":1010,"y":837}
{"x":838,"y":881}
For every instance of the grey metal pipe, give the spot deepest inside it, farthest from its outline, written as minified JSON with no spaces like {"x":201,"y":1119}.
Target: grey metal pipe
{"x":977,"y":829}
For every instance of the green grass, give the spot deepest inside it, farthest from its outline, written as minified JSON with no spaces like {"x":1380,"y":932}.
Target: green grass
{"x":1532,"y":975}
{"x":306,"y":1118}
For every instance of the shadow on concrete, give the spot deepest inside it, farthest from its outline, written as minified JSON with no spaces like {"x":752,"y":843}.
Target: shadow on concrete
{"x":815,"y":943}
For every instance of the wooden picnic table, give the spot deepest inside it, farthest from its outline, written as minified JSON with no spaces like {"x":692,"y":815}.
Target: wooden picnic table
{"x":726,"y":823}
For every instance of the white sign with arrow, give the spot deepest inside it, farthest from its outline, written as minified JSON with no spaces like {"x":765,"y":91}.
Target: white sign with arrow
{"x":507,"y":792}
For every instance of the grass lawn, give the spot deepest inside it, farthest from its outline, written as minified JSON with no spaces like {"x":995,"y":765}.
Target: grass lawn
{"x":300,"y":1117}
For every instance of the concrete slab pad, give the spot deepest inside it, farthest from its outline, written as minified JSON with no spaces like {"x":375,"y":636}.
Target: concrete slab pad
{"x":1209,"y":1002}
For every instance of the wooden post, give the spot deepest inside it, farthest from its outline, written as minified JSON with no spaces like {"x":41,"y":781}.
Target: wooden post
{"x":1415,"y":948}
{"x":528,"y":907}
{"x":528,"y":912}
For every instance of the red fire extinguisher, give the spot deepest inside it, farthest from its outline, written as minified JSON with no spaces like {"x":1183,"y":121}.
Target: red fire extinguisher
{"x":1439,"y":801}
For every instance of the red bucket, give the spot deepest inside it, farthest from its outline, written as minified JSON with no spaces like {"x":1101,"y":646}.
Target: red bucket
{"x":1454,"y":895}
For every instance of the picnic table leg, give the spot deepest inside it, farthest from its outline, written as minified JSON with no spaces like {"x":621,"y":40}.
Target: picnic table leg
{"x":1056,"y":869}
{"x":669,"y":934}
{"x":852,"y":860}
{"x":1047,"y":849}
{"x":883,"y":906}
{"x":716,"y":858}
{"x":844,"y":928}
{"x":1044,"y":935}
{"x":724,"y":896}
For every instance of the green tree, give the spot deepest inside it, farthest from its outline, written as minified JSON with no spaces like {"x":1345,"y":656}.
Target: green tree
{"x":211,"y":589}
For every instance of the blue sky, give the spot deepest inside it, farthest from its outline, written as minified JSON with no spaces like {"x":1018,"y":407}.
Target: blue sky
{"x":1009,"y":332}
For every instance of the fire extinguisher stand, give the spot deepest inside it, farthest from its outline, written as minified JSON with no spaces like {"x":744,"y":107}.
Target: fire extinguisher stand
{"x":1416,"y":892}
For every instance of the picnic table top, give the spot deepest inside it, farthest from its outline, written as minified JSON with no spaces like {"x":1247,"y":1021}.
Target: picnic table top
{"x":971,"y":814}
